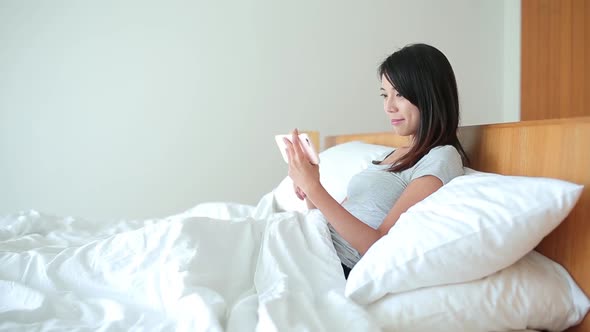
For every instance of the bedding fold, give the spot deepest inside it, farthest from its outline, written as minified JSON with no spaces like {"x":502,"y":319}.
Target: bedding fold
{"x":216,"y":267}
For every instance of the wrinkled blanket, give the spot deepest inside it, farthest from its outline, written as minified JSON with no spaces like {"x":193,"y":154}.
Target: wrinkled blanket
{"x":216,"y":267}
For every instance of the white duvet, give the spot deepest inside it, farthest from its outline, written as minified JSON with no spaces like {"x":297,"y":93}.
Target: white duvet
{"x":216,"y":267}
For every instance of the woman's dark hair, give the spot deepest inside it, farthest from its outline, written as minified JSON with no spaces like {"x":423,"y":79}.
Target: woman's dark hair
{"x":423,"y":75}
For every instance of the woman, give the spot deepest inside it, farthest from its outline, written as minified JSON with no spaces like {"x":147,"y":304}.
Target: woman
{"x":420,"y":99}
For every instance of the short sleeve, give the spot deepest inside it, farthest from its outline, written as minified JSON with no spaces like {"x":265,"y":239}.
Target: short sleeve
{"x":444,"y":162}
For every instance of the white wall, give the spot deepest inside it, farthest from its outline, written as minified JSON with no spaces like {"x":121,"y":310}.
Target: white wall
{"x":511,"y":64}
{"x":136,"y":109}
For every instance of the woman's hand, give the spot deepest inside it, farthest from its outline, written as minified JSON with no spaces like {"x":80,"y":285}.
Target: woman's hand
{"x":304,"y":174}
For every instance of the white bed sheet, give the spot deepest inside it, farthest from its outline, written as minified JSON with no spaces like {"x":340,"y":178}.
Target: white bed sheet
{"x":216,"y":267}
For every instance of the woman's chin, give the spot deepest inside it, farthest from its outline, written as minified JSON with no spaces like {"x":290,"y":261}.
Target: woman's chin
{"x":399,"y":132}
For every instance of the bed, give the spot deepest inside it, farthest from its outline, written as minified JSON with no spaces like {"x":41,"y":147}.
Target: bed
{"x":223,"y":266}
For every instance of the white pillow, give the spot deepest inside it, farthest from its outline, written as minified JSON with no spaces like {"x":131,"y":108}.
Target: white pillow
{"x":470,"y":228}
{"x":337,"y":166}
{"x":534,"y":293}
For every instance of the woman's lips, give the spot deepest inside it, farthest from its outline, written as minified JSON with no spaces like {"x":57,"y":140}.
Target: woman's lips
{"x":396,"y":121}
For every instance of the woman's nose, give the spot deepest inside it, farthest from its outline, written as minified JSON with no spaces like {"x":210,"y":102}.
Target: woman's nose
{"x":390,"y":107}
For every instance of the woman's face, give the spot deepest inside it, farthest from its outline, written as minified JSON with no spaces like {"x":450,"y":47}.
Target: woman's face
{"x":403,"y":115}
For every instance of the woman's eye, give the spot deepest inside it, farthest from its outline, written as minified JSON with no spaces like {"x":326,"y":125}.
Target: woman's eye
{"x":398,"y":94}
{"x":383,"y":95}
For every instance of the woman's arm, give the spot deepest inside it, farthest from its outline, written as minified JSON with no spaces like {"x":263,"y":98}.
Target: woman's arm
{"x":358,"y":234}
{"x":301,"y":195}
{"x":310,"y":204}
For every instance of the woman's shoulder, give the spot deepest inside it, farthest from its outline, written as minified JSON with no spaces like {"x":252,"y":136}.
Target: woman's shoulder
{"x":444,"y":152}
{"x":443,"y":162}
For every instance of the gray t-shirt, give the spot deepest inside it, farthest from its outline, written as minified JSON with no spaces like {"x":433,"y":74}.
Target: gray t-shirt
{"x":373,"y":192}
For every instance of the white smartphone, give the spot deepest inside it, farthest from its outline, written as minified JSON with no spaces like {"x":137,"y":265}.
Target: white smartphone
{"x":305,"y":143}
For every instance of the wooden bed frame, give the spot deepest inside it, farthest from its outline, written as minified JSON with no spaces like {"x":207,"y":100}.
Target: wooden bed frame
{"x":546,"y":148}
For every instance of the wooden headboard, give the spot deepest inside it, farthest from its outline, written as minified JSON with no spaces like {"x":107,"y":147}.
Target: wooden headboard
{"x":547,"y":148}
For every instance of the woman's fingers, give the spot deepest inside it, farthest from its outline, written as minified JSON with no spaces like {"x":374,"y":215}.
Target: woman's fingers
{"x":298,"y":192}
{"x":301,"y":194}
{"x":289,"y":150}
{"x":294,"y":149}
{"x":301,"y":171}
{"x":296,"y":143}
